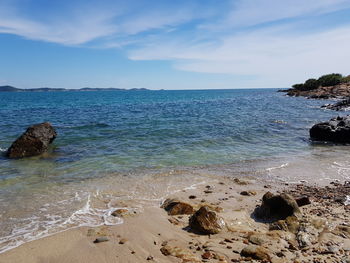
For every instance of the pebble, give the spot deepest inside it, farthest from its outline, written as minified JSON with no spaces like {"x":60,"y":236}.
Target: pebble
{"x":123,"y":241}
{"x":101,"y":239}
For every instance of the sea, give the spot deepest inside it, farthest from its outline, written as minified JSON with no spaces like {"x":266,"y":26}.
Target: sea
{"x":133,"y":148}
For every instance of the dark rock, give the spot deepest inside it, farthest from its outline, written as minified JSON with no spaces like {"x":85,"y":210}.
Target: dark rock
{"x":335,"y":130}
{"x":304,"y":200}
{"x":101,"y":239}
{"x":34,"y":141}
{"x":206,"y":221}
{"x":256,"y":252}
{"x":276,"y":207}
{"x":248,"y":193}
{"x":176,"y":207}
{"x":340,"y":105}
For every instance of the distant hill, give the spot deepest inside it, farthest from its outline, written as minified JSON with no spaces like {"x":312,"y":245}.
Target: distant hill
{"x":13,"y":89}
{"x":8,"y":88}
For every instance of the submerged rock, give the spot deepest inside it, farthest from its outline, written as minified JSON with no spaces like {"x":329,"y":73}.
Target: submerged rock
{"x":335,"y":130}
{"x":34,"y":141}
{"x":275,"y":207}
{"x":176,"y":207}
{"x":206,"y":221}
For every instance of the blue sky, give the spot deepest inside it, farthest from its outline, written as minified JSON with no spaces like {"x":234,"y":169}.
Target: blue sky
{"x":172,"y":44}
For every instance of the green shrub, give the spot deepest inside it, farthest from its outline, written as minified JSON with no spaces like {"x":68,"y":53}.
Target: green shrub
{"x":311,"y":84}
{"x":346,"y":79}
{"x":298,"y":86}
{"x":330,"y":79}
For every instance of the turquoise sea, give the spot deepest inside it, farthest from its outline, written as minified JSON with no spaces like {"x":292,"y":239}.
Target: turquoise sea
{"x":131,"y":148}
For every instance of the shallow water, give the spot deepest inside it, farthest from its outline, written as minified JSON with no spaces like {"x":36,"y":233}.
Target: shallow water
{"x":128,"y":148}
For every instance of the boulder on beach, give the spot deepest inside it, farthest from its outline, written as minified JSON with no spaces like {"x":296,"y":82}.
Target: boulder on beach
{"x":176,"y":207}
{"x":206,"y":221}
{"x":34,"y":141}
{"x":335,"y":130}
{"x":276,"y":207}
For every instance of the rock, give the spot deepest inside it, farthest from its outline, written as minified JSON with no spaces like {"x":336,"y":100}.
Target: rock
{"x":304,"y":239}
{"x":240,"y":182}
{"x":101,"y":239}
{"x":340,"y":105}
{"x":304,"y":200}
{"x":256,"y":252}
{"x":123,"y":241}
{"x":206,"y":221}
{"x":176,"y":207}
{"x":207,"y":255}
{"x":149,"y":258}
{"x":275,"y":207}
{"x":120,"y":212}
{"x":248,"y":193}
{"x":335,"y":130}
{"x":184,"y":254}
{"x":34,"y":141}
{"x":291,"y":224}
{"x":258,"y":239}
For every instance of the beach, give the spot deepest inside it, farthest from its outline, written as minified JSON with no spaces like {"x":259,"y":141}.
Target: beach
{"x":153,"y":235}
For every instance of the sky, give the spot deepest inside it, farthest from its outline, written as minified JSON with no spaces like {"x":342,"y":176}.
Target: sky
{"x":172,"y":44}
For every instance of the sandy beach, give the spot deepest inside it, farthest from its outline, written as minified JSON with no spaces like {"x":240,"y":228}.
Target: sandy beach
{"x":320,"y":233}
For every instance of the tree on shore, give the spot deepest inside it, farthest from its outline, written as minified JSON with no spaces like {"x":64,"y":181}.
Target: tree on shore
{"x":324,"y":81}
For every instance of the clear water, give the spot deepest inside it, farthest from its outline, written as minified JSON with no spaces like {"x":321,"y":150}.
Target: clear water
{"x":128,"y":148}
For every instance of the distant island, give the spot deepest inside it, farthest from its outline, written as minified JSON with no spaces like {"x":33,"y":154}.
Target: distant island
{"x":333,"y":85}
{"x":13,"y":89}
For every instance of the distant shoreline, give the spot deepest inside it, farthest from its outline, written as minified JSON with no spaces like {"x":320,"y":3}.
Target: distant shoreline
{"x":13,"y":89}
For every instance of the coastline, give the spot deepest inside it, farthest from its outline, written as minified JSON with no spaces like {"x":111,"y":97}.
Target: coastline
{"x":142,"y":235}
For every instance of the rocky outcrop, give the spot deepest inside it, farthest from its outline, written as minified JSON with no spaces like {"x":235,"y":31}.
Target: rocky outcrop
{"x":34,"y":141}
{"x":340,"y":105}
{"x":206,"y":221}
{"x":176,"y":207}
{"x":337,"y":91}
{"x":335,"y":130}
{"x":276,"y":207}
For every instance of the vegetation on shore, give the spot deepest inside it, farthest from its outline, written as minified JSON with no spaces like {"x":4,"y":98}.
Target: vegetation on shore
{"x":323,"y":81}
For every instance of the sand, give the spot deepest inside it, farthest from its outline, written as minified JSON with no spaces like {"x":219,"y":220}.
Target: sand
{"x":143,"y":235}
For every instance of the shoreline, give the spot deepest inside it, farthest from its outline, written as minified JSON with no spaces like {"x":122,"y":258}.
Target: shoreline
{"x":142,"y":235}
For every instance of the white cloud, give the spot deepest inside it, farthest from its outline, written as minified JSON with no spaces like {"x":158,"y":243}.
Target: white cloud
{"x":274,"y":58}
{"x":253,"y":12}
{"x":81,"y":24}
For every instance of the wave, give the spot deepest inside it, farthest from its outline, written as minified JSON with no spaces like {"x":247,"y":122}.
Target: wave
{"x":2,"y":150}
{"x":37,"y":228}
{"x":277,"y":167}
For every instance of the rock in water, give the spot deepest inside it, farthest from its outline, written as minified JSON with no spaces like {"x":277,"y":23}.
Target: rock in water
{"x":206,"y":221}
{"x":275,"y":207}
{"x":335,"y":130}
{"x":34,"y":141}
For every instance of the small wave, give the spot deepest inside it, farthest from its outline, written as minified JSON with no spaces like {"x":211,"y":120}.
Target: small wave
{"x":3,"y":150}
{"x":38,"y":228}
{"x":277,"y":167}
